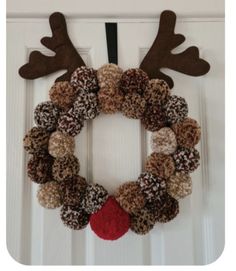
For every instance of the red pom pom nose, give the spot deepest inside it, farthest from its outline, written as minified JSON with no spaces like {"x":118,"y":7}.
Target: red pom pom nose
{"x":111,"y":221}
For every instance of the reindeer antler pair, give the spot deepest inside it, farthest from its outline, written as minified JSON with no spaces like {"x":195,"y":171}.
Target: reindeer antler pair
{"x":159,"y":56}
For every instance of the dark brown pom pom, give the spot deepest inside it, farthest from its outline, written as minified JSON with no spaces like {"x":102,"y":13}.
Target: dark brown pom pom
{"x":65,"y":168}
{"x":157,"y":92}
{"x":133,"y":106}
{"x":110,"y":102}
{"x":39,"y":168}
{"x":161,"y":165}
{"x":133,"y":81}
{"x":36,"y":140}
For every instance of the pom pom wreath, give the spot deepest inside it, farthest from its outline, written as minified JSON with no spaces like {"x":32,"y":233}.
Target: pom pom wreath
{"x":133,"y":106}
{"x":164,"y":209}
{"x":110,"y":103}
{"x":74,"y":217}
{"x":130,"y":197}
{"x":179,"y":185}
{"x":65,"y":167}
{"x":49,"y":195}
{"x":84,"y":78}
{"x":186,"y":159}
{"x":188,"y":132}
{"x":86,"y":105}
{"x":153,"y":118}
{"x":164,"y":141}
{"x":176,"y":109}
{"x":161,"y":165}
{"x":157,"y":92}
{"x":39,"y":168}
{"x":73,"y":190}
{"x":95,"y":197}
{"x":69,"y":124}
{"x":61,"y":145}
{"x":111,"y":221}
{"x":142,"y":221}
{"x":133,"y":81}
{"x":151,"y":186}
{"x":36,"y":140}
{"x":109,"y":75}
{"x":46,"y":115}
{"x":62,"y":94}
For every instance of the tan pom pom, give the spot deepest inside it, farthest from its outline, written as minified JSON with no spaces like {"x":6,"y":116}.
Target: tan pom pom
{"x":130,"y":197}
{"x":179,"y":185}
{"x":133,"y":106}
{"x":109,"y":75}
{"x":49,"y":195}
{"x":164,"y":141}
{"x":188,"y":132}
{"x":61,"y":144}
{"x":160,"y":165}
{"x":157,"y":92}
{"x":110,"y":103}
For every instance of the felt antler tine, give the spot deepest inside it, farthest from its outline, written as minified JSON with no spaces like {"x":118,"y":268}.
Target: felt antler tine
{"x":66,"y":56}
{"x":160,"y":56}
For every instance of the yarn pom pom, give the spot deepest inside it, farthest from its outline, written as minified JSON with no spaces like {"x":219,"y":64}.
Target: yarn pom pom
{"x":186,"y":160}
{"x":110,"y":100}
{"x":49,"y":195}
{"x":65,"y":168}
{"x":86,"y":105}
{"x":61,"y":145}
{"x":130,"y":197}
{"x":157,"y":92}
{"x":39,"y":168}
{"x":95,"y":197}
{"x":188,"y":132}
{"x":179,"y":185}
{"x":133,"y":106}
{"x":109,"y":75}
{"x":153,"y":118}
{"x":161,"y":165}
{"x":84,"y":78}
{"x":36,"y":140}
{"x":151,"y":186}
{"x":74,"y":217}
{"x":46,"y":115}
{"x":133,"y":81}
{"x":69,"y":124}
{"x":164,"y":141}
{"x":62,"y":94}
{"x":176,"y":109}
{"x":142,"y":221}
{"x":111,"y":221}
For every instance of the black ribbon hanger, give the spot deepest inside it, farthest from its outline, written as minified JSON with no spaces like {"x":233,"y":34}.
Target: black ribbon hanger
{"x":111,"y":35}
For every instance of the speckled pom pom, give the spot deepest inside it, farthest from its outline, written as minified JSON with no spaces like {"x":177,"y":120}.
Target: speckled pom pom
{"x":69,"y":124}
{"x":133,"y":81}
{"x":188,"y":132}
{"x":46,"y":115}
{"x":74,"y":217}
{"x":186,"y":159}
{"x":62,"y":94}
{"x":84,"y":78}
{"x":133,"y":106}
{"x":110,"y":103}
{"x":176,"y":109}
{"x":164,"y":141}
{"x":109,"y":75}
{"x":49,"y":195}
{"x":95,"y":196}
{"x":36,"y":140}
{"x":111,"y":221}
{"x":61,"y":145}
{"x":142,"y":221}
{"x":157,"y":92}
{"x":73,"y":190}
{"x":161,"y":165}
{"x":130,"y":197}
{"x":86,"y":105}
{"x":164,"y":209}
{"x":39,"y":168}
{"x":179,"y":185}
{"x":151,"y":186}
{"x":65,"y":167}
{"x":153,"y":118}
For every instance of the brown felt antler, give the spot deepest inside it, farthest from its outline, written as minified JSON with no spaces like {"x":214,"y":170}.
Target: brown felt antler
{"x":160,"y":56}
{"x":66,"y":57}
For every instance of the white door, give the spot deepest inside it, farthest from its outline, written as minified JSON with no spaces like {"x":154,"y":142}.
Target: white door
{"x":112,"y":148}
